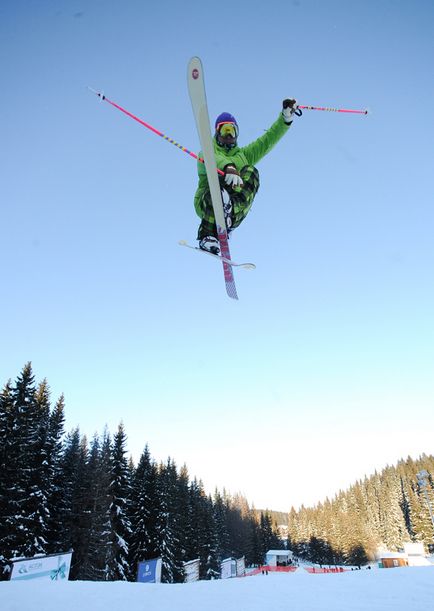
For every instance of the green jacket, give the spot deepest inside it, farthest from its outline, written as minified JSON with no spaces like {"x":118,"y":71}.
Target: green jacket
{"x":240,"y":156}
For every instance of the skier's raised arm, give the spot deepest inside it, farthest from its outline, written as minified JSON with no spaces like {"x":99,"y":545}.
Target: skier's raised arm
{"x":263,"y":145}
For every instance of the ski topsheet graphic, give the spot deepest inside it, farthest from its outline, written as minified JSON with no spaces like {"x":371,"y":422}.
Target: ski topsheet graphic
{"x":196,"y":89}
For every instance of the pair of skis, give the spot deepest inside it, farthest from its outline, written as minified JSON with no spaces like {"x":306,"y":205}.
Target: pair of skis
{"x":196,"y":88}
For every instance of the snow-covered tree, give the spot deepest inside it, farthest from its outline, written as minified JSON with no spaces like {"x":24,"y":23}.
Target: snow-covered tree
{"x":220,"y":511}
{"x":20,"y":467}
{"x":118,"y":567}
{"x":6,"y":474}
{"x":73,"y":519}
{"x":97,"y":509}
{"x":54,"y":456}
{"x":40,"y":475}
{"x":168,"y":524}
{"x":143,"y":511}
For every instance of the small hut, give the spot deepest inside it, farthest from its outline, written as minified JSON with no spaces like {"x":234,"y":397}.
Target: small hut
{"x":390,"y":560}
{"x":278,"y":557}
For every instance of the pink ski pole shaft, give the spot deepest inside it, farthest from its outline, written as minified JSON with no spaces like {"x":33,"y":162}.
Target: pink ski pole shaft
{"x":358,"y":112}
{"x":152,"y":129}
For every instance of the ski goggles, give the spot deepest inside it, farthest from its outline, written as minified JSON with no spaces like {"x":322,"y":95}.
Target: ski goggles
{"x":227,"y":129}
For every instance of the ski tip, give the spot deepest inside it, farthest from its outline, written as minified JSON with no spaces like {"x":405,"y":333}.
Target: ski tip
{"x":182,"y":242}
{"x":194,"y":70}
{"x":231,"y":290}
{"x":97,"y":93}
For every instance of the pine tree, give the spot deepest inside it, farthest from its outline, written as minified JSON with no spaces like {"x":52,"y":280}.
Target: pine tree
{"x":203,"y":536}
{"x":208,"y":546}
{"x":420,"y":503}
{"x":293,"y":532}
{"x":235,"y":527}
{"x":167,"y":525}
{"x":212,"y":566}
{"x":255,"y":554}
{"x":6,"y":423}
{"x":73,"y":518}
{"x":220,"y":510}
{"x":317,"y":552}
{"x":371,"y":488}
{"x":405,"y":503}
{"x":54,"y":457}
{"x":6,"y":475}
{"x":192,"y":534}
{"x":143,"y":511}
{"x":105,"y":499}
{"x":392,"y":524}
{"x":97,"y":505}
{"x":269,"y":534}
{"x":425,"y":491}
{"x":18,"y":540}
{"x":118,"y":567}
{"x":40,"y":476}
{"x":183,"y":509}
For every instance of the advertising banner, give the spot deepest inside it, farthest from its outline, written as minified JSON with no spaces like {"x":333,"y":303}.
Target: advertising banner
{"x":54,"y":567}
{"x":228,"y":568}
{"x":149,"y":571}
{"x":241,"y":567}
{"x":191,"y":569}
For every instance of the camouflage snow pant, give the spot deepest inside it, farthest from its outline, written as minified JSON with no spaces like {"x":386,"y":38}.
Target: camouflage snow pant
{"x":241,"y":202}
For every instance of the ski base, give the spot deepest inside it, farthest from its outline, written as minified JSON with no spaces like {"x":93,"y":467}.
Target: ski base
{"x":223,"y":259}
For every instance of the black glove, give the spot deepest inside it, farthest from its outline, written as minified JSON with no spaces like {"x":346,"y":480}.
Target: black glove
{"x":290,"y":108}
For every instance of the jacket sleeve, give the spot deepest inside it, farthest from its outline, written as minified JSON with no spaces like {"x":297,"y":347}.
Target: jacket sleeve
{"x":257,"y":149}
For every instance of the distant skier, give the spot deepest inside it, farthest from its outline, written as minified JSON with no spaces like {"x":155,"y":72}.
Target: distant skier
{"x":240,"y":183}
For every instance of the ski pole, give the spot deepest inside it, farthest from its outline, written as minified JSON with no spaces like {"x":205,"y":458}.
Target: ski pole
{"x":359,"y":112}
{"x":153,"y":129}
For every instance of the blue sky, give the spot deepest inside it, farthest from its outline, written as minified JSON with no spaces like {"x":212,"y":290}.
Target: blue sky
{"x":325,"y":365}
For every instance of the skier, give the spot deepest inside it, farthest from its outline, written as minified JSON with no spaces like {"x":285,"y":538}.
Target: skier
{"x":240,"y":182}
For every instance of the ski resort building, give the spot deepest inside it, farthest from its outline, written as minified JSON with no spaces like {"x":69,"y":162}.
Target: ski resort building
{"x":389,"y":560}
{"x":278,"y":557}
{"x":416,"y":554}
{"x":413,"y":555}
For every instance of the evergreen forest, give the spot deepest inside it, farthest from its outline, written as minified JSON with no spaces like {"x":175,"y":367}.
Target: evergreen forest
{"x":384,"y":511}
{"x":61,"y":491}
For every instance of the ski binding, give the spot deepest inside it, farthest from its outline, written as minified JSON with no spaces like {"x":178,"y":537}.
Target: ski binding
{"x":223,"y":259}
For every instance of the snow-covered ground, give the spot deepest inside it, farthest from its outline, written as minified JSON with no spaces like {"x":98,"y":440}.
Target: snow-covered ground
{"x":400,"y":589}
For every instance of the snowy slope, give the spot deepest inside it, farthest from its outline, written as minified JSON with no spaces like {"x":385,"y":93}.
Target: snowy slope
{"x":404,"y":589}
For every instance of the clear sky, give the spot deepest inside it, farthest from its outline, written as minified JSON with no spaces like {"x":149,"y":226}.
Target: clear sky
{"x":324,"y":369}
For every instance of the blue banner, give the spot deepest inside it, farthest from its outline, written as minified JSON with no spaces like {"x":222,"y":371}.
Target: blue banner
{"x":149,"y":571}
